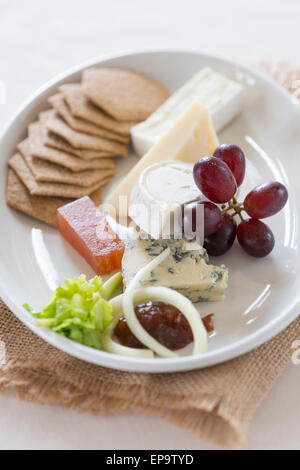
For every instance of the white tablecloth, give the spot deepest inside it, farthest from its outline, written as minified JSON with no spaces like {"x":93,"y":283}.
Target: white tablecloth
{"x":39,"y":39}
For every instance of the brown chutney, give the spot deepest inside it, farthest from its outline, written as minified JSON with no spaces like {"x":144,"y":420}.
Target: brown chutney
{"x":164,"y":322}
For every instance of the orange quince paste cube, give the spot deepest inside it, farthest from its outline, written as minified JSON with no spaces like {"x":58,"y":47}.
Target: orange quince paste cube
{"x":87,"y":230}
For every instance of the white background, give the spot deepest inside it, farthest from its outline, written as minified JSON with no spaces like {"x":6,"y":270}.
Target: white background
{"x":39,"y":39}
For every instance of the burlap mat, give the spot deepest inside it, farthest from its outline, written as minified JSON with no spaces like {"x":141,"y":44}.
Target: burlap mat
{"x":217,"y":403}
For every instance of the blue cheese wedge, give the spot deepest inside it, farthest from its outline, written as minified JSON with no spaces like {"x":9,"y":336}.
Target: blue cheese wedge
{"x":222,"y":97}
{"x":187,"y":270}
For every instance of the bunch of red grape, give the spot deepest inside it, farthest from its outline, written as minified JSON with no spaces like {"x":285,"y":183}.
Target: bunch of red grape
{"x":218,"y":178}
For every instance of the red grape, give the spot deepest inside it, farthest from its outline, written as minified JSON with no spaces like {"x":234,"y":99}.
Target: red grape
{"x":255,"y":237}
{"x":221,"y":241}
{"x":212,"y":217}
{"x":266,"y":200}
{"x":214,"y":179}
{"x":234,"y":157}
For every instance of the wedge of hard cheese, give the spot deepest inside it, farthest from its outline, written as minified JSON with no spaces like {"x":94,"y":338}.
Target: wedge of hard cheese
{"x":222,"y":97}
{"x":191,"y":138}
{"x":186,"y":270}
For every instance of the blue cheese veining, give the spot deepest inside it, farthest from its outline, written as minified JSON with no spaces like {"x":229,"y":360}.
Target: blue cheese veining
{"x":187,"y":271}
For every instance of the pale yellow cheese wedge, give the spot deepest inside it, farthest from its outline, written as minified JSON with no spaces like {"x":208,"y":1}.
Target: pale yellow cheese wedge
{"x":191,"y":138}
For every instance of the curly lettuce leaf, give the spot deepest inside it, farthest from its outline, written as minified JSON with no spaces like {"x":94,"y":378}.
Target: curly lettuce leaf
{"x":77,"y":310}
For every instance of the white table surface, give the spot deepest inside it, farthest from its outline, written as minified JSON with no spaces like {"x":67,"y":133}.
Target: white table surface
{"x":41,"y":39}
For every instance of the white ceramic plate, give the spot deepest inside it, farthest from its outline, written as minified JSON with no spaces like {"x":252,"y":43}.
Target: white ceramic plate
{"x":263,"y":295}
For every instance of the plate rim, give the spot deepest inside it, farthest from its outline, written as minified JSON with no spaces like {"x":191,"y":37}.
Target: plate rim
{"x":157,"y":365}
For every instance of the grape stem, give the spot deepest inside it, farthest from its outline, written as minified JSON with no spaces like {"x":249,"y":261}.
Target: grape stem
{"x":235,"y":206}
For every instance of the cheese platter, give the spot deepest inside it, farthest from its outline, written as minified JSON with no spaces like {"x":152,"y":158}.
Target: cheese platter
{"x":180,"y":250}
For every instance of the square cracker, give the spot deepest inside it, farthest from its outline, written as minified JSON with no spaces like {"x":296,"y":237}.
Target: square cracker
{"x":82,"y":108}
{"x":123,"y":94}
{"x":38,"y":207}
{"x":35,"y":188}
{"x":58,"y":103}
{"x":83,"y":141}
{"x":64,"y":159}
{"x":54,"y":141}
{"x":50,"y":172}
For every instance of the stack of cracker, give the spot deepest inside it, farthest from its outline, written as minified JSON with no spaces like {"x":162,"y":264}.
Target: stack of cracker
{"x":69,"y":152}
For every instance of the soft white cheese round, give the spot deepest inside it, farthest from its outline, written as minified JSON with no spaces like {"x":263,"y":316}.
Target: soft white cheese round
{"x":157,"y":198}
